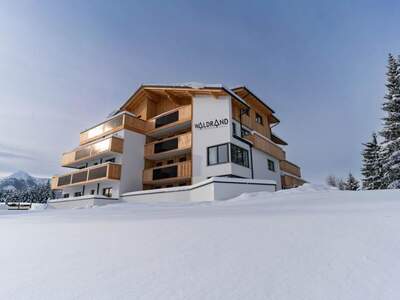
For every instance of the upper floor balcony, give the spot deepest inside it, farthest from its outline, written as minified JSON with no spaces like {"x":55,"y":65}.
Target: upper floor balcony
{"x":167,"y":123}
{"x":291,"y":182}
{"x":266,"y":146}
{"x":106,"y":171}
{"x":118,"y":122}
{"x":177,"y":172}
{"x":168,"y":147}
{"x":110,"y":145}
{"x":289,"y":167}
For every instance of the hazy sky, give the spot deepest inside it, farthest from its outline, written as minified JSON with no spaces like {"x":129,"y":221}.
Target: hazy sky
{"x":319,"y":64}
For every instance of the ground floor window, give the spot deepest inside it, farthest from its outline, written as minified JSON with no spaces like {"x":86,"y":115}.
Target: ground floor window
{"x":78,"y":194}
{"x":217,"y":154}
{"x":107,"y":192}
{"x":271,"y":165}
{"x":92,"y":192}
{"x":239,"y":156}
{"x":66,"y":196}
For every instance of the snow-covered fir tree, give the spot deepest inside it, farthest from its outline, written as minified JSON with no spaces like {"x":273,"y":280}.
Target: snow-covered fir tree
{"x":351,"y":183}
{"x":390,"y":147}
{"x":371,"y":169}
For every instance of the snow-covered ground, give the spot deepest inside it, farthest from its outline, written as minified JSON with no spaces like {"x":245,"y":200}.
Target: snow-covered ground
{"x":309,"y":243}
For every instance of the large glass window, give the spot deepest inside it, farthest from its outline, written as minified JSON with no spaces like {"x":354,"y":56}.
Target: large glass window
{"x":164,"y":173}
{"x":166,"y":146}
{"x":217,"y":154}
{"x":239,"y":155}
{"x":167,"y":119}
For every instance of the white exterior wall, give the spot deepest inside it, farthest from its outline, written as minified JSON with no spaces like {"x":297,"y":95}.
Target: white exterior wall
{"x":132,"y":162}
{"x":213,"y":189}
{"x":207,"y":108}
{"x":260,"y":167}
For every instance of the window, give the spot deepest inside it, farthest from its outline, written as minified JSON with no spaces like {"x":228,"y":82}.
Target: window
{"x":164,"y":173}
{"x":111,"y":160}
{"x":271,"y":165}
{"x":182,"y":159}
{"x":92,"y":192}
{"x":66,"y":196}
{"x":171,"y":161}
{"x":259,"y":119}
{"x":217,"y":154}
{"x":159,"y":164}
{"x":167,"y":119}
{"x":239,"y":156}
{"x":77,"y":194}
{"x":234,"y":130}
{"x":166,"y":146}
{"x":245,"y":132}
{"x":245,"y":111}
{"x":107,"y":192}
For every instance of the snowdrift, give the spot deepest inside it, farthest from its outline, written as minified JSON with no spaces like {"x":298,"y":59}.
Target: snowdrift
{"x":308,"y":243}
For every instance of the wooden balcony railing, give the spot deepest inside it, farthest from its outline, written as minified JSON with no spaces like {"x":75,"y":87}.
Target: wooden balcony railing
{"x":107,"y":171}
{"x":291,"y":168}
{"x":291,"y":182}
{"x":169,"y":173}
{"x":266,"y":146}
{"x":170,"y":118}
{"x":109,"y":145}
{"x":120,"y":121}
{"x":171,"y":145}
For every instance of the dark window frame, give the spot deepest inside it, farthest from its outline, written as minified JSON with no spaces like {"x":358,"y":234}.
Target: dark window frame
{"x":107,"y":192}
{"x":240,"y":156}
{"x":259,"y":119}
{"x":271,"y":165}
{"x":218,"y":161}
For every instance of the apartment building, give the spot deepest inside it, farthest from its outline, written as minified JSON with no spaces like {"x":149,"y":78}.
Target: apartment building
{"x":168,"y":136}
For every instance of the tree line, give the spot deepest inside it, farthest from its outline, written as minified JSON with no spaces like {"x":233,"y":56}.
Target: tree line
{"x":38,"y":194}
{"x":381,"y":155}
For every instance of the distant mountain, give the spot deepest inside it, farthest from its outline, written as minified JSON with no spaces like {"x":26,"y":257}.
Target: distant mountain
{"x":19,"y":181}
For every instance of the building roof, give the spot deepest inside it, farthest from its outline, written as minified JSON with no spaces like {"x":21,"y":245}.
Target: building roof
{"x":195,"y":86}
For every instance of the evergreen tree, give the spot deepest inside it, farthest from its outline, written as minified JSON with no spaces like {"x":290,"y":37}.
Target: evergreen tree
{"x":351,"y":183}
{"x":371,"y":169}
{"x":390,"y":147}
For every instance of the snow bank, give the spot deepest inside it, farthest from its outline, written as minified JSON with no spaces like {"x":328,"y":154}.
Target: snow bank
{"x":309,"y":243}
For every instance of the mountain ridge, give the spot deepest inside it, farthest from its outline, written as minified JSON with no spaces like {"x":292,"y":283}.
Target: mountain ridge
{"x":21,"y":180}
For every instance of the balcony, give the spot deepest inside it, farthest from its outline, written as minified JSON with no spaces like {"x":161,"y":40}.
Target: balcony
{"x":176,"y":172}
{"x":88,"y":152}
{"x":266,"y":146}
{"x":288,"y":167}
{"x":107,"y":171}
{"x":289,"y":182}
{"x":169,"y":122}
{"x":121,"y":121}
{"x":168,"y":147}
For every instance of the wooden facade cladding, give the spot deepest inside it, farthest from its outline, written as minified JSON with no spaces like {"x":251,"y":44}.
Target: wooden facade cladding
{"x":184,"y":114}
{"x":184,"y":173}
{"x":249,"y":120}
{"x":288,"y":167}
{"x":117,"y":123}
{"x":266,"y":146}
{"x":184,"y":142}
{"x":107,"y":171}
{"x":291,"y":182}
{"x":112,"y":144}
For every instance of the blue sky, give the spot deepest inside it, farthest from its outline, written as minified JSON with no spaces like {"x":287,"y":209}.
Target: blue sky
{"x":319,"y":64}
